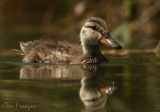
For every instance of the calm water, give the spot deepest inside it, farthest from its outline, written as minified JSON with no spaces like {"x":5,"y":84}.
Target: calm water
{"x":126,"y":84}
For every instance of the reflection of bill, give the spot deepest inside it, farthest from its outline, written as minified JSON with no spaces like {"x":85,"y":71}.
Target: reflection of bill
{"x":93,"y":96}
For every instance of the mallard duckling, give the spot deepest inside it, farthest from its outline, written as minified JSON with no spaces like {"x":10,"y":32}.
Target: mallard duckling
{"x":93,"y":34}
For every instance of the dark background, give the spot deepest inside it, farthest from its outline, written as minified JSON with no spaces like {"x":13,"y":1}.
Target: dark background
{"x":133,"y":23}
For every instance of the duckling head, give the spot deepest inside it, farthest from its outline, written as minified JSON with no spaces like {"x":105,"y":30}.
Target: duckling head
{"x":95,"y":33}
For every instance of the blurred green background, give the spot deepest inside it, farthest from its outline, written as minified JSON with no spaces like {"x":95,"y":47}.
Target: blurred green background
{"x":133,"y":23}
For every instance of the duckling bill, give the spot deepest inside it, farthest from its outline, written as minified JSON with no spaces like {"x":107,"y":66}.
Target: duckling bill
{"x":93,"y":34}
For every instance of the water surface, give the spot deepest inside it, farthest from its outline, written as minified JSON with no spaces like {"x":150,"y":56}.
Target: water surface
{"x":125,"y":84}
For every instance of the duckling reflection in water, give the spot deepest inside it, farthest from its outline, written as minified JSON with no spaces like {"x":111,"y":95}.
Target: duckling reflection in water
{"x":92,"y":95}
{"x":93,"y":34}
{"x":51,"y":72}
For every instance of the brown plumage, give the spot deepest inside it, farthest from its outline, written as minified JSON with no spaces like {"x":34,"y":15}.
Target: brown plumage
{"x":49,"y":51}
{"x":93,"y":33}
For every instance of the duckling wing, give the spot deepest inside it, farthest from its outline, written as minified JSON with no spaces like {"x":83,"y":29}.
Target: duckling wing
{"x":49,"y":51}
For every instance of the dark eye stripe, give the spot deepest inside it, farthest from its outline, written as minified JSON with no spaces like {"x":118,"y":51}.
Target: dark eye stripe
{"x":98,"y":22}
{"x":92,"y":27}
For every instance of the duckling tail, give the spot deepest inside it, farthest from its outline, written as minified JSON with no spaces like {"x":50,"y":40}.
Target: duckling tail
{"x":23,"y":46}
{"x":19,"y":52}
{"x":26,"y":47}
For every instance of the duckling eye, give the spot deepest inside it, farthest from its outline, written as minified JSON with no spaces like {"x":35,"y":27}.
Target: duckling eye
{"x":94,"y":28}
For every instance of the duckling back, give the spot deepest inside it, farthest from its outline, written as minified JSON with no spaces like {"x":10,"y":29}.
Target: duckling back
{"x":49,"y":51}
